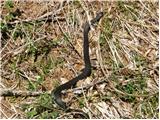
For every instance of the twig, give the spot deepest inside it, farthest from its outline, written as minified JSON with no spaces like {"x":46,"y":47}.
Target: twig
{"x":19,"y":93}
{"x":49,"y":16}
{"x":88,"y":86}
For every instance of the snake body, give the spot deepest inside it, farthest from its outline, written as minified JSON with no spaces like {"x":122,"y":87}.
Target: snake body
{"x":56,"y":93}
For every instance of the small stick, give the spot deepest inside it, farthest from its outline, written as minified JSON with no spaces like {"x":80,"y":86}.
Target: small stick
{"x":19,"y":93}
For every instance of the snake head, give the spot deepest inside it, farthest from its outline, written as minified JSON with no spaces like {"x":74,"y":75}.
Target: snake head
{"x":97,"y":18}
{"x":99,"y":15}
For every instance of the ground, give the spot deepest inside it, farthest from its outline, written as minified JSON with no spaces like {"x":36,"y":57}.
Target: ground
{"x":41,"y":48}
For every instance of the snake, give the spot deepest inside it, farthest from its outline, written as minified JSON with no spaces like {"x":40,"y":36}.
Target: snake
{"x":86,"y":72}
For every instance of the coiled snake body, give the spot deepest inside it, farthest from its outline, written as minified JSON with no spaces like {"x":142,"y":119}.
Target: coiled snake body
{"x":56,"y":93}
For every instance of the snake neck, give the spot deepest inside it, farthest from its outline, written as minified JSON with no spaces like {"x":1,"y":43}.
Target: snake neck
{"x":87,"y":61}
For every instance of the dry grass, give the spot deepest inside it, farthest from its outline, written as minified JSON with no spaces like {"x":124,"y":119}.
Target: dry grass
{"x":41,"y":48}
